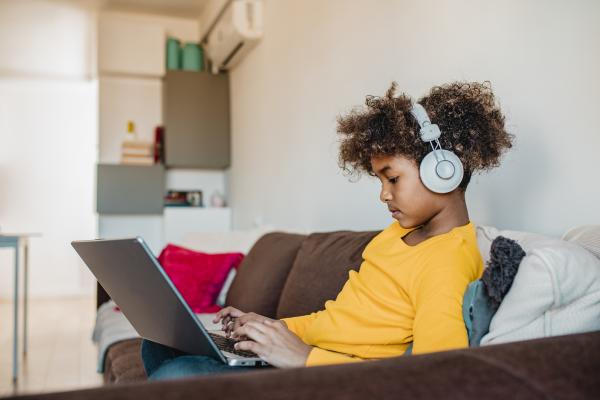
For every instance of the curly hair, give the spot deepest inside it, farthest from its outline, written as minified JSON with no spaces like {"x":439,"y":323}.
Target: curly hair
{"x":471,"y":123}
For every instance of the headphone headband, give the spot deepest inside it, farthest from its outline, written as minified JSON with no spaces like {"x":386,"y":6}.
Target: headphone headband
{"x":429,"y":132}
{"x":420,"y":114}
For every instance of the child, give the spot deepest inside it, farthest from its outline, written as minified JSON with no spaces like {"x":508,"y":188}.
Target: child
{"x":407,"y":295}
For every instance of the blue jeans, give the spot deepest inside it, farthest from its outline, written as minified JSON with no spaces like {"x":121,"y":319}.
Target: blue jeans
{"x":162,"y":362}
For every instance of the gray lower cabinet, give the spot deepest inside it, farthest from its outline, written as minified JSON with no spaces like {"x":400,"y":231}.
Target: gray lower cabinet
{"x":131,"y":190}
{"x":196,"y":119}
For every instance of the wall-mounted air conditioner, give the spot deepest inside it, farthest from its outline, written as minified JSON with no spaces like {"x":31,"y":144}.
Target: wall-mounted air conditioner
{"x":231,"y":29}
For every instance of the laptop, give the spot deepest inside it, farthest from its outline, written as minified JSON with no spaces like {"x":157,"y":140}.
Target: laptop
{"x":135,"y":280}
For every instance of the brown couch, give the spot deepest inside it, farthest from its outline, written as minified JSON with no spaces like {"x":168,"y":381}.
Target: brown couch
{"x":289,"y":274}
{"x":283,"y":275}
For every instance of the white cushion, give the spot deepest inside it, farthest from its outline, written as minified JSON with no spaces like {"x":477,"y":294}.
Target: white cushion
{"x":587,"y":236}
{"x":556,"y":290}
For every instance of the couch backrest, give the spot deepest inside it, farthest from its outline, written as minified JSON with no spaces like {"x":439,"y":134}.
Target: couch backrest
{"x":320,"y":270}
{"x":263,"y":272}
{"x":287,"y":275}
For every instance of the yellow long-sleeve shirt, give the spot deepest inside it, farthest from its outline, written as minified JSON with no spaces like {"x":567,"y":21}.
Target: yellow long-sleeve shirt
{"x":401,"y":294}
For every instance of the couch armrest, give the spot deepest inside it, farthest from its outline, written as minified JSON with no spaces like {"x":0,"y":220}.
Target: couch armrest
{"x":557,"y":367}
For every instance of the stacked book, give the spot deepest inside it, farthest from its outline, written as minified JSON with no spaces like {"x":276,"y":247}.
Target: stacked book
{"x":137,"y":152}
{"x":180,"y":198}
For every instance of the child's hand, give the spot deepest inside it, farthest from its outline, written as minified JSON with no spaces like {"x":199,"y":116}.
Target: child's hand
{"x":274,"y":343}
{"x":226,"y":316}
{"x":234,"y":318}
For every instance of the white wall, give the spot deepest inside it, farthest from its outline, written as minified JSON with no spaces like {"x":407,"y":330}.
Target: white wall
{"x":184,"y":29}
{"x":318,"y":59}
{"x":48,"y":119}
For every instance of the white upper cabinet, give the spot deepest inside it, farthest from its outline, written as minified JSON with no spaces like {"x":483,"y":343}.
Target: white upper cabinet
{"x":130,"y":46}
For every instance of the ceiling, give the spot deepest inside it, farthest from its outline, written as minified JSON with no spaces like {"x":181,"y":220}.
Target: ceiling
{"x":176,"y":8}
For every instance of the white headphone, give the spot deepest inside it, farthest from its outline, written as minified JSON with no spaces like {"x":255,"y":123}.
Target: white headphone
{"x":441,"y":170}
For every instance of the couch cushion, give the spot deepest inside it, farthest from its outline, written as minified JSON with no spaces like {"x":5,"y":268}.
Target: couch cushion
{"x":483,"y":296}
{"x":261,"y":276}
{"x":320,"y":270}
{"x":198,"y":276}
{"x":555,"y":292}
{"x":123,"y":362}
{"x":587,"y":236}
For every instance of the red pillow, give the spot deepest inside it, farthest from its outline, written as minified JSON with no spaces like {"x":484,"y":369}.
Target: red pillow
{"x":198,"y":276}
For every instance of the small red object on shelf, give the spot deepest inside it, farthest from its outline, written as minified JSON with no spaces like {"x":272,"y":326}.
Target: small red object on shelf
{"x":159,"y":145}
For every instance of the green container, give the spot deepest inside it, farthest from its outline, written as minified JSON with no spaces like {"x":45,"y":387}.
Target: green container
{"x":173,"y":54}
{"x":192,"y":57}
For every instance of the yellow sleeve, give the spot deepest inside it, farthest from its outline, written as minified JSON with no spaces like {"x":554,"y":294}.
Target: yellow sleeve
{"x":298,"y":325}
{"x":319,"y":356}
{"x":438,"y":323}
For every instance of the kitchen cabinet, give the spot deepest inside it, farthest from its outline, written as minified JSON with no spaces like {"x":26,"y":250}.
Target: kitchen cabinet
{"x":196,"y":120}
{"x":130,"y":190}
{"x":129,"y":46}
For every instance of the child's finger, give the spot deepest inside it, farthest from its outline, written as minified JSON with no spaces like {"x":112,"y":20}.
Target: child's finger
{"x":234,"y":326}
{"x":228,"y":311}
{"x":249,"y":345}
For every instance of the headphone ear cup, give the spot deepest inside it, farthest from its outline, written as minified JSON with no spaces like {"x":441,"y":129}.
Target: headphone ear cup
{"x":432,"y":172}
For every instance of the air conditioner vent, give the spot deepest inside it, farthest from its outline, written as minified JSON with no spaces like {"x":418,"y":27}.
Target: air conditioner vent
{"x":237,"y":28}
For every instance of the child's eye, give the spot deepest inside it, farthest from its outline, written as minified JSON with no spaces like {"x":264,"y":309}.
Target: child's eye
{"x":393,"y":180}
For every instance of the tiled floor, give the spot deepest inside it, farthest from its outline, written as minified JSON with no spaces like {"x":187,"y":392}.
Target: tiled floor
{"x":61,"y":355}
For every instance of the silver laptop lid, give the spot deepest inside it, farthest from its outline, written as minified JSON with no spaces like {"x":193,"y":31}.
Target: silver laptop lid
{"x":131,"y":275}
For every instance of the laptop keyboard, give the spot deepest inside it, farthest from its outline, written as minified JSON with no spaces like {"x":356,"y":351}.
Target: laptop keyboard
{"x":226,"y":344}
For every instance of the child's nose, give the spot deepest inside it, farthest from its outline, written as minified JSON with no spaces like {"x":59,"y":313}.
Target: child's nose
{"x":385,"y":196}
